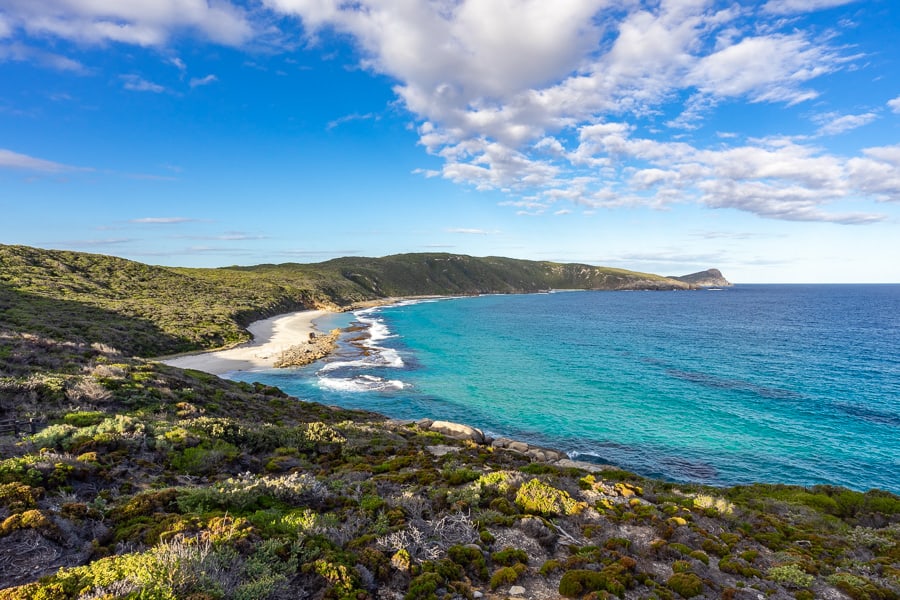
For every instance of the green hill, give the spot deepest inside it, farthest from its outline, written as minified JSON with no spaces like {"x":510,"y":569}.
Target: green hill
{"x":147,"y":310}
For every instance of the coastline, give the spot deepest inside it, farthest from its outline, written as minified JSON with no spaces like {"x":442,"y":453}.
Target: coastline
{"x":270,"y":337}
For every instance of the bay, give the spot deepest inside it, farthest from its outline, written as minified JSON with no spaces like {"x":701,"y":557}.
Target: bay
{"x":771,"y":383}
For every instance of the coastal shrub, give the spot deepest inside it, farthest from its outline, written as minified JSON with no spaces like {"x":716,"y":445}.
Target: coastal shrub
{"x":537,"y":497}
{"x":19,"y":496}
{"x":700,"y":555}
{"x":204,"y":459}
{"x":460,"y":475}
{"x":509,"y":557}
{"x":424,"y":587}
{"x":506,"y":575}
{"x":84,"y":418}
{"x":713,"y":505}
{"x":499,"y":481}
{"x":686,"y":585}
{"x":471,"y":559}
{"x":248,"y":492}
{"x":790,"y":575}
{"x":549,"y":567}
{"x":859,"y":588}
{"x":730,"y":564}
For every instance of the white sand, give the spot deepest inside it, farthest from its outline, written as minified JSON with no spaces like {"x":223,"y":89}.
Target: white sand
{"x":270,"y":338}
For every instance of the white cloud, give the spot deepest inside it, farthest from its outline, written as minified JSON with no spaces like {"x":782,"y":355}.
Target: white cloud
{"x":14,"y":160}
{"x":350,"y":118}
{"x":894,"y":104}
{"x":201,"y":81}
{"x":5,"y":27}
{"x":787,"y":7}
{"x":833,"y":124}
{"x":501,"y":89}
{"x":768,"y":68}
{"x":136,"y":83}
{"x":19,"y":52}
{"x":161,"y":220}
{"x":139,"y":22}
{"x":469,"y":231}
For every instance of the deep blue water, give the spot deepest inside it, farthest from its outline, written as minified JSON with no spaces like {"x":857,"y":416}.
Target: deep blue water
{"x":773,"y":383}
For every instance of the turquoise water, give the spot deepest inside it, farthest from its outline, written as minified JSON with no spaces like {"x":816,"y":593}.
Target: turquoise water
{"x":774,"y":383}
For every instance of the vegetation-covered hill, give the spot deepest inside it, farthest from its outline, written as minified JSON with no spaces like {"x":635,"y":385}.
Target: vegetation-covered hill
{"x":146,"y":310}
{"x":149,"y":482}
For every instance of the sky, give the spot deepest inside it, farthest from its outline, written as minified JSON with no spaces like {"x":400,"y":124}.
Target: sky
{"x":761,"y":138}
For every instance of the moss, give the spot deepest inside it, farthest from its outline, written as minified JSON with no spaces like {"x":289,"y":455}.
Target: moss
{"x":686,"y":585}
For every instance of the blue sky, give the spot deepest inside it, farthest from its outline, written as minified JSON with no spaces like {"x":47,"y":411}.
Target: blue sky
{"x":762,"y":138}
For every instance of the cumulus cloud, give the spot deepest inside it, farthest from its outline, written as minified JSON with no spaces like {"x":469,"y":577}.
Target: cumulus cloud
{"x":580,"y":102}
{"x":894,"y":104}
{"x":139,"y":22}
{"x":15,"y":160}
{"x":552,"y":102}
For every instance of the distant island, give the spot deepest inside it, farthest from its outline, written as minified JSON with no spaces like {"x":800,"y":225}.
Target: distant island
{"x":122,"y":477}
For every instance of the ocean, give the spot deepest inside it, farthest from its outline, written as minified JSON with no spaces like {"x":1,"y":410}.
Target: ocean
{"x":796,"y":384}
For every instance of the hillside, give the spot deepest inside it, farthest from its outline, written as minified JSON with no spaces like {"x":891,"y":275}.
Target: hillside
{"x":705,"y":279}
{"x":148,"y":482}
{"x":146,"y":310}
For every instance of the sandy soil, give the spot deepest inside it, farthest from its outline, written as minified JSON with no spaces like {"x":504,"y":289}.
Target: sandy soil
{"x":270,"y":337}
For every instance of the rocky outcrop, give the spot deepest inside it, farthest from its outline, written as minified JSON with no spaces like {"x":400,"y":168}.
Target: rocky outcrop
{"x":537,"y":453}
{"x":705,"y":279}
{"x":458,"y":431}
{"x":318,"y":346}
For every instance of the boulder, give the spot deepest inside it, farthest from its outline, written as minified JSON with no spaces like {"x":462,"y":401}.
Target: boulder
{"x":458,"y":431}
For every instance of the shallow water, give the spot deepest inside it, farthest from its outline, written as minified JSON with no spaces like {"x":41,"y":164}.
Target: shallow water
{"x":774,"y":383}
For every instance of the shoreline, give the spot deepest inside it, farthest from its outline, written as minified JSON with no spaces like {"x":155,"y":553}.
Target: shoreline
{"x":270,"y":338}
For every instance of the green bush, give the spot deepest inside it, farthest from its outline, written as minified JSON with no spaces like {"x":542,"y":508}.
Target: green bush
{"x":506,"y":576}
{"x":509,"y":557}
{"x":536,"y":497}
{"x":686,"y":585}
{"x":791,"y":576}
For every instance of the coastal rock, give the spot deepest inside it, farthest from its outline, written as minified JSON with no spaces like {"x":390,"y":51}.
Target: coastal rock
{"x":568,"y":463}
{"x":520,"y":447}
{"x":517,"y":590}
{"x":501,"y":442}
{"x":424,"y":423}
{"x":302,"y":354}
{"x":441,"y":450}
{"x":458,"y":431}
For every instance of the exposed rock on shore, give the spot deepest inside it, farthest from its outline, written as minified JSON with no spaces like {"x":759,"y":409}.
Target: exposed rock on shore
{"x":317,"y":347}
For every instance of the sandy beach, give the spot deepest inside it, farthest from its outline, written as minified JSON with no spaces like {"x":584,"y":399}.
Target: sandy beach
{"x":270,"y":338}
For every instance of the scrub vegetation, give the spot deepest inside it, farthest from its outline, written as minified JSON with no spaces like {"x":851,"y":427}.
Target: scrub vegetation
{"x":146,"y":481}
